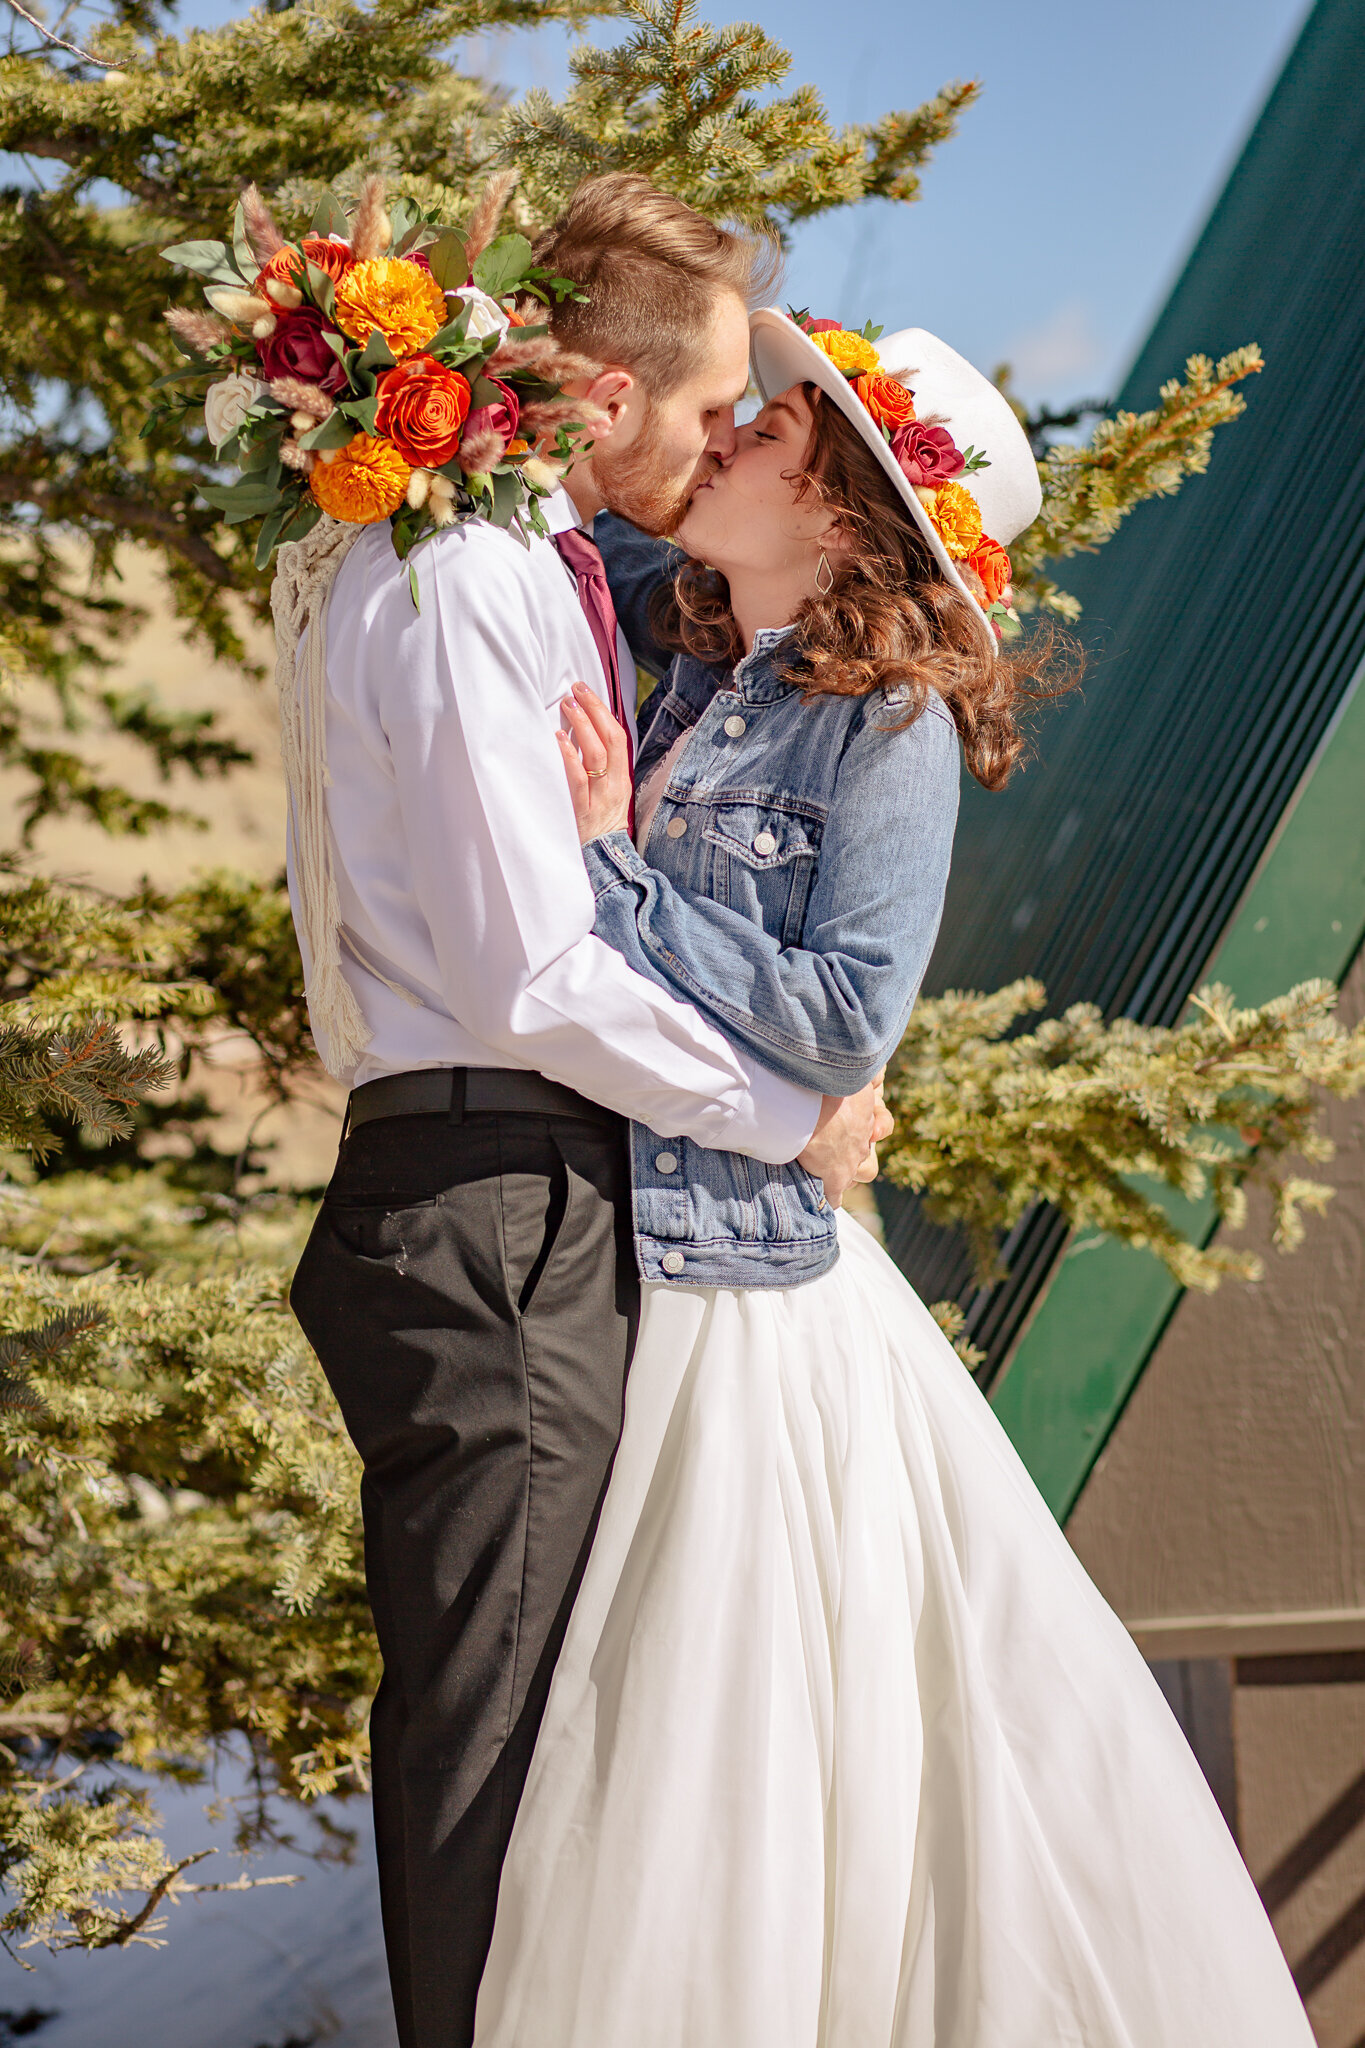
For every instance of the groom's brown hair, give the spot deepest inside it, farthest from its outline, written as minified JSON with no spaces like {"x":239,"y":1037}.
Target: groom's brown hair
{"x":652,"y":268}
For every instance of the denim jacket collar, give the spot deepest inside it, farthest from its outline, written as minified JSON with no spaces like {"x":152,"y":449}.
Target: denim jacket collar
{"x":758,"y":678}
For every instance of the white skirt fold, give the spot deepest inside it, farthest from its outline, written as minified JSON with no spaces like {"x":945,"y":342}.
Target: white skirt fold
{"x":844,"y":1750}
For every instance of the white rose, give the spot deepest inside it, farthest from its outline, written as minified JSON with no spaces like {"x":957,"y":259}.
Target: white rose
{"x":227,"y":404}
{"x":485,"y":315}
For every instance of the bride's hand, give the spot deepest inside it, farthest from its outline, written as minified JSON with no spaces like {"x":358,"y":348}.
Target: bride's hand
{"x":597,"y":763}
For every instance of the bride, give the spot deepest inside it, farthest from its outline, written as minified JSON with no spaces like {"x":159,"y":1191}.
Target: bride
{"x":843,"y":1749}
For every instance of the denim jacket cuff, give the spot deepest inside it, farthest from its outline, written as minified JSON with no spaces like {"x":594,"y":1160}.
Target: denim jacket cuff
{"x":610,"y":859}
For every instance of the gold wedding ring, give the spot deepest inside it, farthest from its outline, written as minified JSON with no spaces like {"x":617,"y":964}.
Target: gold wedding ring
{"x":596,"y":774}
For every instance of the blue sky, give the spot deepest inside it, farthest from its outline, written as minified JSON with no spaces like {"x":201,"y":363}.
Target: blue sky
{"x":1051,"y":228}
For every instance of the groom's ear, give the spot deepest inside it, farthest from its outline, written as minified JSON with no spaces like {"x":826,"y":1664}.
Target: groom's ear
{"x":617,"y":395}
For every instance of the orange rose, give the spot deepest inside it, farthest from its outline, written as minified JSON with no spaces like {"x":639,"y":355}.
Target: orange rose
{"x":993,"y":566}
{"x":888,"y":401}
{"x":363,"y":483}
{"x":287,"y":265}
{"x":422,"y":409}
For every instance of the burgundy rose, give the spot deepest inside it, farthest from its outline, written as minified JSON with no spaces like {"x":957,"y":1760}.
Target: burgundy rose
{"x":821,"y":326}
{"x":420,"y":258}
{"x":500,"y":418}
{"x":928,"y":455}
{"x":297,"y":349}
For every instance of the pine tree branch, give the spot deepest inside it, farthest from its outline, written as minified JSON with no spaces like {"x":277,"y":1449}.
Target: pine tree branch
{"x":126,"y":514}
{"x":59,"y":42}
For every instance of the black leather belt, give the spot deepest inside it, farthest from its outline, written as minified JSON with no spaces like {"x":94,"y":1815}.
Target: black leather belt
{"x":458,"y":1092}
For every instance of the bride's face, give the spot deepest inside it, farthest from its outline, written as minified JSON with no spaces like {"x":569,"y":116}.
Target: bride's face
{"x":747,"y":516}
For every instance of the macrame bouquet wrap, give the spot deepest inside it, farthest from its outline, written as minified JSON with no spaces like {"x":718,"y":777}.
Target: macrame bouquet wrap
{"x":300,"y":599}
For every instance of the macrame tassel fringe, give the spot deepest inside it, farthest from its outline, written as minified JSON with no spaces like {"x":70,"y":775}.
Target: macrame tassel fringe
{"x":300,"y":600}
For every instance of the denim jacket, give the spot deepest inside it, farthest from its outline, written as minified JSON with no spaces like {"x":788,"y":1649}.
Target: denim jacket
{"x":791,"y":887}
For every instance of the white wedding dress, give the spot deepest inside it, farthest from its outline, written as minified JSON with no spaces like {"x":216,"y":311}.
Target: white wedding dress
{"x":844,"y":1750}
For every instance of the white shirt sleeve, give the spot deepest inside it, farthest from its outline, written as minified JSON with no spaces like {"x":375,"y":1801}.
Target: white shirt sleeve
{"x":499,"y":875}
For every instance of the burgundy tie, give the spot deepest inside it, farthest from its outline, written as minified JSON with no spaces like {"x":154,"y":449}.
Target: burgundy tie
{"x":584,"y":558}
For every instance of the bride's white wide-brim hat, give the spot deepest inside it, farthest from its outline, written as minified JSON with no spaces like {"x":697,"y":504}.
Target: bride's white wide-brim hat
{"x":949,"y":392}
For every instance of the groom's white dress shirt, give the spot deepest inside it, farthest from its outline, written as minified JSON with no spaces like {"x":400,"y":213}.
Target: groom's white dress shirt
{"x":466,"y":910}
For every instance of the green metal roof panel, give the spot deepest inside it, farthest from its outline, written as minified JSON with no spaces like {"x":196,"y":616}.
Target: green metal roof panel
{"x":1223,"y":627}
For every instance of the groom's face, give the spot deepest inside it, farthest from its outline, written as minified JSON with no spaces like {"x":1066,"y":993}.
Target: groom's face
{"x":677,"y":440}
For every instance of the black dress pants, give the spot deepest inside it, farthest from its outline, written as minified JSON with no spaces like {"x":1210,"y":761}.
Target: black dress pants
{"x":470,"y":1289}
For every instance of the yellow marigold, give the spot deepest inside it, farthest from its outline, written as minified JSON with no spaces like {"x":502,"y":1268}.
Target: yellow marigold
{"x":848,"y":352}
{"x":363,"y":483}
{"x":401,"y":299}
{"x":957,"y":519}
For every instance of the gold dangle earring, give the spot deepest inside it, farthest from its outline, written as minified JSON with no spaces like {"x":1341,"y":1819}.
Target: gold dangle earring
{"x":824,"y":575}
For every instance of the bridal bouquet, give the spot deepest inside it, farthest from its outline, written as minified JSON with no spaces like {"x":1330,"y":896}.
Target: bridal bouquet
{"x":382,"y":366}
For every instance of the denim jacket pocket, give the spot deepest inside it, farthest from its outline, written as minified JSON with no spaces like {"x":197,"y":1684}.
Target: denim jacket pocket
{"x":763,"y":863}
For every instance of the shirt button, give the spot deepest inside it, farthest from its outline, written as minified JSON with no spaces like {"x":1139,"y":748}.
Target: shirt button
{"x":764,"y":844}
{"x":667,"y":1162}
{"x":734,"y":727}
{"x":672,"y":1262}
{"x":676,"y":827}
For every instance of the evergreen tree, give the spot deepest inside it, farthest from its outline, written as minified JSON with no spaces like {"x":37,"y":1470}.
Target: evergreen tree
{"x":179,"y":1545}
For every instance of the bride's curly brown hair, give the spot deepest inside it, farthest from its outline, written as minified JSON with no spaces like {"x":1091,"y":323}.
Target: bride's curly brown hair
{"x":891,"y":617}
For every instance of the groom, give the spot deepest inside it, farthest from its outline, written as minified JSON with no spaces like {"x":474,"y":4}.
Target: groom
{"x":470,"y":1285}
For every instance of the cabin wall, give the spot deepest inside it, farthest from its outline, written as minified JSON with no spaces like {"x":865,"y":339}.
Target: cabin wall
{"x":1225,"y":1521}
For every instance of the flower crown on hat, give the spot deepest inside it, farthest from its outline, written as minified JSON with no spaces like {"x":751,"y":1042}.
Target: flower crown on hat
{"x":368,"y":370}
{"x":931,"y":461}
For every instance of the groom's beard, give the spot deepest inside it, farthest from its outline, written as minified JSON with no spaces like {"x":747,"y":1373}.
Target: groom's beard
{"x":631,"y":484}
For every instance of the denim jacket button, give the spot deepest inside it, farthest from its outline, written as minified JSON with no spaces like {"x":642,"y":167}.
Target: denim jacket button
{"x":764,"y":843}
{"x":667,"y":1162}
{"x":735,"y":728}
{"x":672,"y":1262}
{"x":676,"y":827}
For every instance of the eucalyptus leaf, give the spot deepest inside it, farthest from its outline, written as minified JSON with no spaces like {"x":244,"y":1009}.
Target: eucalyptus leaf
{"x":330,"y":217}
{"x":305,"y":517}
{"x":503,"y":264}
{"x":402,"y":218}
{"x":412,"y":586}
{"x":269,"y":534}
{"x":506,"y":497}
{"x":258,"y":454}
{"x":334,"y":432}
{"x":321,"y":289}
{"x":451,"y":343}
{"x":203,"y":368}
{"x":448,"y":260}
{"x":200,"y":257}
{"x":246,"y":500}
{"x":361,"y":411}
{"x":376,"y":354}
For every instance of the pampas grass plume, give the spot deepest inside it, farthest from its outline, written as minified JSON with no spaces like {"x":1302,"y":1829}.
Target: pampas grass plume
{"x":486,"y":215}
{"x":371,"y":231}
{"x":301,"y":396}
{"x":480,"y":451}
{"x":261,"y":231}
{"x":201,"y":331}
